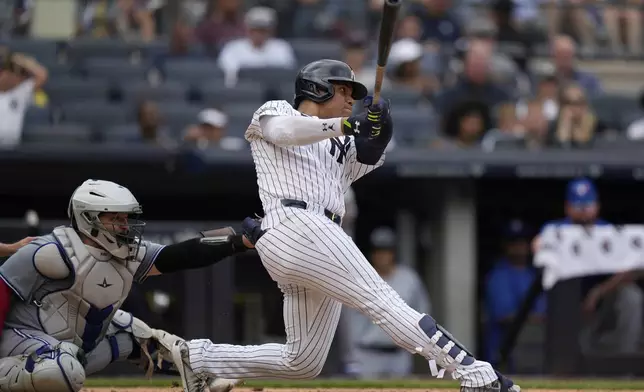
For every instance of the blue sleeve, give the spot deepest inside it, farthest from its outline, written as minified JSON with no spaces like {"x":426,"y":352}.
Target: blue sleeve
{"x":147,"y":254}
{"x":498,"y":296}
{"x":19,"y":271}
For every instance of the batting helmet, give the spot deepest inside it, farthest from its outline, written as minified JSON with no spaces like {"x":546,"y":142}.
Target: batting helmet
{"x":315,"y":81}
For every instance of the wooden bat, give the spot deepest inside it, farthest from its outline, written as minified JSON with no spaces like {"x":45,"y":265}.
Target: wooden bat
{"x":385,"y":38}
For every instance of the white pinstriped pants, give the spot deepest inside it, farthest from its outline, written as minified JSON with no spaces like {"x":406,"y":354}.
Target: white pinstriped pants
{"x":318,"y":267}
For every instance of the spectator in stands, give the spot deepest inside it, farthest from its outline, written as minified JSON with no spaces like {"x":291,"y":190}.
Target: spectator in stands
{"x":127,"y":19}
{"x":535,"y":126}
{"x":211,"y":132}
{"x":440,"y":25}
{"x":626,"y":14}
{"x":20,"y":76}
{"x":223,"y":23}
{"x":609,"y":299}
{"x":475,"y":83}
{"x":410,"y":27}
{"x":564,"y":53}
{"x":576,"y":124}
{"x":356,"y":52}
{"x":306,"y":22}
{"x":635,"y":130}
{"x":579,"y":15}
{"x":374,"y":353}
{"x":516,"y":42}
{"x":259,"y":48}
{"x":405,"y":61}
{"x":465,"y":126}
{"x":150,"y":128}
{"x":506,"y":286}
{"x":547,"y":95}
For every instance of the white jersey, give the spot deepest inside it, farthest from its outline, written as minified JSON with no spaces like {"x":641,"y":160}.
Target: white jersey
{"x":318,"y":173}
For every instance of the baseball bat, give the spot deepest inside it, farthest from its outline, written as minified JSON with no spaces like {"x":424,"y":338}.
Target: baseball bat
{"x":385,"y":38}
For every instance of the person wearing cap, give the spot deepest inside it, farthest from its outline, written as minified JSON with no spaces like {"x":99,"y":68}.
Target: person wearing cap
{"x":259,"y":48}
{"x":440,"y":26}
{"x":210,"y":131}
{"x":506,"y":286}
{"x":372,"y":353}
{"x":608,"y":299}
{"x":405,"y":59}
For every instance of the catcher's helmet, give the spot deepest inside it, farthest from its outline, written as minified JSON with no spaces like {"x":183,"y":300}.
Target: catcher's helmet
{"x":315,"y":81}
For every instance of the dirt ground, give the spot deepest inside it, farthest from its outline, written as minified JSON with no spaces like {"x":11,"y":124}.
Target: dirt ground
{"x":170,"y":389}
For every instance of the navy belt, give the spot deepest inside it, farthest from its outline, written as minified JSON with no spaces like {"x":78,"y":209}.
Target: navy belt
{"x":337,"y":219}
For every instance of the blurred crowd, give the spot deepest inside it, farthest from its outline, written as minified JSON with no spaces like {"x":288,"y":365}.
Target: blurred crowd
{"x":460,"y":74}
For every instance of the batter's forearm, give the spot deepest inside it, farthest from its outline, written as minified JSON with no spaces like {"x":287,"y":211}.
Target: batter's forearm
{"x":299,"y":131}
{"x":193,"y":254}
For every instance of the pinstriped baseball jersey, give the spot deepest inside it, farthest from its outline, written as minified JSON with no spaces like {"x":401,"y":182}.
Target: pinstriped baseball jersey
{"x":318,"y":173}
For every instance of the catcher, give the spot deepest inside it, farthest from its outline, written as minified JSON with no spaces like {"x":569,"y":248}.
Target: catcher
{"x":60,"y":294}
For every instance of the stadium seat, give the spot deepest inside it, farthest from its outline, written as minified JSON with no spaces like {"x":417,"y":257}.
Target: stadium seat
{"x":67,"y":133}
{"x":96,"y":114}
{"x":114,"y":69}
{"x":69,"y":89}
{"x":403,"y":97}
{"x":216,"y":94}
{"x":617,"y":142}
{"x":82,"y":48}
{"x":191,"y":71}
{"x":169,"y":91}
{"x":177,"y":116}
{"x":237,"y":124}
{"x":44,"y":50}
{"x":413,"y":125}
{"x":611,"y":108}
{"x":124,"y":133}
{"x":285,"y":91}
{"x":272,"y":76}
{"x":308,"y":50}
{"x":37,"y":116}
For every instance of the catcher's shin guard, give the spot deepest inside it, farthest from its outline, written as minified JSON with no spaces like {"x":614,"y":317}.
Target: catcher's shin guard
{"x":56,"y":369}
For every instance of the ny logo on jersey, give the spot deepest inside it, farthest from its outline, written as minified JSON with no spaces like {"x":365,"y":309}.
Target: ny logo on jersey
{"x":342,"y":146}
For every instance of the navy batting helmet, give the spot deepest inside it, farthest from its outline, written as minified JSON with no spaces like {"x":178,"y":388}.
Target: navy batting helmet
{"x":315,"y":81}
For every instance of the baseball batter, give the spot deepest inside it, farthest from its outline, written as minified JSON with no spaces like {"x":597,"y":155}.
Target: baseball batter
{"x":306,"y":156}
{"x":64,"y":322}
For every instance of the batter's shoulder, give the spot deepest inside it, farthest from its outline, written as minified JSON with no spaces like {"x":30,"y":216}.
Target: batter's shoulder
{"x":276,"y":108}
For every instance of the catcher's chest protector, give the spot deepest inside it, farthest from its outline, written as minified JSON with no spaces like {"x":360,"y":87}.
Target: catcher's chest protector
{"x":82,"y":313}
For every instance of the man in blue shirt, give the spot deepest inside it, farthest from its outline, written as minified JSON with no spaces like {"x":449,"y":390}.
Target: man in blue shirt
{"x":613,"y":305}
{"x":506,"y":287}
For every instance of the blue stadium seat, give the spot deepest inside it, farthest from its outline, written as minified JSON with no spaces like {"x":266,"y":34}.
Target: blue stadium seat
{"x":114,"y":69}
{"x":403,"y":96}
{"x":96,"y":114}
{"x":178,"y":115}
{"x":413,"y":125}
{"x":123,"y":133}
{"x":172,"y":91}
{"x":56,"y":70}
{"x":308,"y":50}
{"x":216,"y":94}
{"x":237,"y":124}
{"x":81,"y":48}
{"x":37,"y":116}
{"x":612,"y":108}
{"x":69,"y":89}
{"x":63,"y":133}
{"x":270,"y":76}
{"x":44,"y":50}
{"x":191,"y":71}
{"x":286,"y":91}
{"x":243,"y":110}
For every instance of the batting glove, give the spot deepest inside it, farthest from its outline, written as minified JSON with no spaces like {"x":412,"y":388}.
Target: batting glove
{"x":252,"y":229}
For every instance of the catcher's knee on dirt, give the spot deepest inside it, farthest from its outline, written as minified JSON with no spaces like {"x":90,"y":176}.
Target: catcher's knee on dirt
{"x":49,"y":369}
